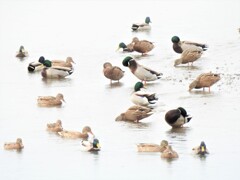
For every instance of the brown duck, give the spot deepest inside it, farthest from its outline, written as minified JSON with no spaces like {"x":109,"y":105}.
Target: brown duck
{"x":188,"y":56}
{"x":55,"y":127}
{"x":149,"y":147}
{"x":142,"y":46}
{"x":169,"y":153}
{"x":67,"y":63}
{"x":50,"y":100}
{"x":76,"y":134}
{"x":18,"y":145}
{"x":113,"y":73}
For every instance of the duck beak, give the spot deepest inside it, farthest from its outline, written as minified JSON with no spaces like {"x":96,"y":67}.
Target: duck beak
{"x":98,"y":145}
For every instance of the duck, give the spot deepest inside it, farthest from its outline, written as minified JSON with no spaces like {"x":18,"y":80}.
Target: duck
{"x":86,"y":131}
{"x":135,"y":114}
{"x":45,"y":62}
{"x":205,"y":80}
{"x":180,"y":46}
{"x":126,"y":48}
{"x":142,"y":26}
{"x":93,"y":145}
{"x":67,"y":63}
{"x":201,"y":149}
{"x":143,"y":73}
{"x":22,"y":52}
{"x":35,"y":66}
{"x":150,"y":147}
{"x":177,"y":117}
{"x":141,"y":97}
{"x":18,"y":145}
{"x":169,"y":153}
{"x":55,"y":127}
{"x":114,"y":73}
{"x":188,"y":56}
{"x":50,"y":100}
{"x":56,"y":72}
{"x":142,"y":46}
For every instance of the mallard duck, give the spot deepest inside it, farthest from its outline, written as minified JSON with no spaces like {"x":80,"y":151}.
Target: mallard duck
{"x":22,"y":52}
{"x":201,"y":150}
{"x":169,"y":153}
{"x":91,"y":145}
{"x":56,"y":72}
{"x":135,"y":114}
{"x":177,"y":117}
{"x":141,"y":72}
{"x":142,"y":26}
{"x":35,"y":66}
{"x":55,"y":127}
{"x":126,"y":48}
{"x":86,"y":131}
{"x":188,"y":56}
{"x":45,"y":62}
{"x":142,"y":46}
{"x":113,"y":73}
{"x":67,"y":63}
{"x":50,"y":100}
{"x":205,"y":80}
{"x":180,"y":46}
{"x":18,"y":145}
{"x":141,"y":97}
{"x":149,"y":147}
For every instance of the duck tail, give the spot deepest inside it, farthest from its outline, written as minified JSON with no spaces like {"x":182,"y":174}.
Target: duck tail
{"x":204,"y":47}
{"x":135,"y":27}
{"x":159,"y":75}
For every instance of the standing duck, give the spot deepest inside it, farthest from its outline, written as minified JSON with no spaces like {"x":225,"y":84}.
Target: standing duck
{"x":142,"y":46}
{"x":205,"y":80}
{"x":113,"y":73}
{"x":149,"y":147}
{"x":141,"y":72}
{"x":55,"y":127}
{"x":126,"y":48}
{"x":56,"y":72}
{"x":201,"y":149}
{"x":86,"y":131}
{"x":67,"y":63}
{"x":142,"y":26}
{"x":141,"y":97}
{"x":177,"y":117}
{"x":18,"y":145}
{"x":22,"y":52}
{"x":188,"y":56}
{"x":180,"y":46}
{"x":169,"y":153}
{"x":50,"y":100}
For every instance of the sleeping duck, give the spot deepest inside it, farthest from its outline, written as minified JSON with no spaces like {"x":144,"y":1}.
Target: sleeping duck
{"x":142,"y":46}
{"x":56,"y":72}
{"x":86,"y":131}
{"x":22,"y":52}
{"x":149,"y":147}
{"x":61,"y":63}
{"x":169,"y":153}
{"x":18,"y":145}
{"x":55,"y":127}
{"x":50,"y":100}
{"x":188,"y":56}
{"x":141,"y":97}
{"x":205,"y":80}
{"x":142,"y":26}
{"x":114,"y":73}
{"x":126,"y":48}
{"x":177,"y":117}
{"x":180,"y":46}
{"x":201,"y":149}
{"x":141,"y":72}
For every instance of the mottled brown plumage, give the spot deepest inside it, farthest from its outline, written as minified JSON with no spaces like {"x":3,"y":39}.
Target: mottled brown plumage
{"x":142,"y":46}
{"x":169,"y":153}
{"x":76,"y":134}
{"x":55,"y":127}
{"x":188,"y":56}
{"x":113,"y":73}
{"x":149,"y":147}
{"x":18,"y":145}
{"x":50,"y":100}
{"x":67,"y":63}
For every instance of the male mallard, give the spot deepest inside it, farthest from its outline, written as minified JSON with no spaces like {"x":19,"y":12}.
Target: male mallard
{"x":205,"y":80}
{"x":135,"y":114}
{"x":93,"y":145}
{"x":201,"y":150}
{"x":56,"y":72}
{"x":169,"y":153}
{"x":35,"y":66}
{"x":142,"y":26}
{"x":126,"y":48}
{"x":86,"y":131}
{"x":22,"y":52}
{"x":67,"y":63}
{"x":50,"y":100}
{"x":113,"y":73}
{"x":142,"y":46}
{"x":177,"y":117}
{"x":141,"y":97}
{"x":180,"y":46}
{"x":18,"y":145}
{"x":188,"y":56}
{"x":149,"y":147}
{"x":45,"y":62}
{"x":55,"y":127}
{"x":141,"y":72}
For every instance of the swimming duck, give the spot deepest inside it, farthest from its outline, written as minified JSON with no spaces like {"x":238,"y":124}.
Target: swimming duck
{"x":188,"y":56}
{"x":67,"y":63}
{"x":141,"y":72}
{"x":135,"y":114}
{"x":142,"y":26}
{"x":169,"y":153}
{"x":56,"y":72}
{"x":113,"y":73}
{"x":141,"y":97}
{"x":126,"y":48}
{"x":149,"y":147}
{"x":22,"y":52}
{"x":205,"y":80}
{"x":86,"y":131}
{"x":35,"y":66}
{"x":55,"y":127}
{"x":142,"y":46}
{"x":18,"y":145}
{"x":180,"y":46}
{"x":177,"y":117}
{"x":93,"y":145}
{"x":45,"y":62}
{"x":201,"y":150}
{"x":50,"y":100}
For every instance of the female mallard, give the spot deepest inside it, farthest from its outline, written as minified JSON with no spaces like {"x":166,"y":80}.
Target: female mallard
{"x":126,"y":48}
{"x":50,"y":100}
{"x":135,"y":114}
{"x":149,"y":147}
{"x":56,"y":72}
{"x":201,"y":150}
{"x":55,"y":127}
{"x":142,"y":26}
{"x":141,"y":97}
{"x":180,"y":46}
{"x":169,"y":153}
{"x":141,"y":72}
{"x":22,"y":52}
{"x":142,"y":46}
{"x":18,"y":145}
{"x":177,"y":117}
{"x":67,"y":63}
{"x":113,"y":73}
{"x":35,"y":66}
{"x":205,"y":80}
{"x":86,"y":131}
{"x":188,"y":56}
